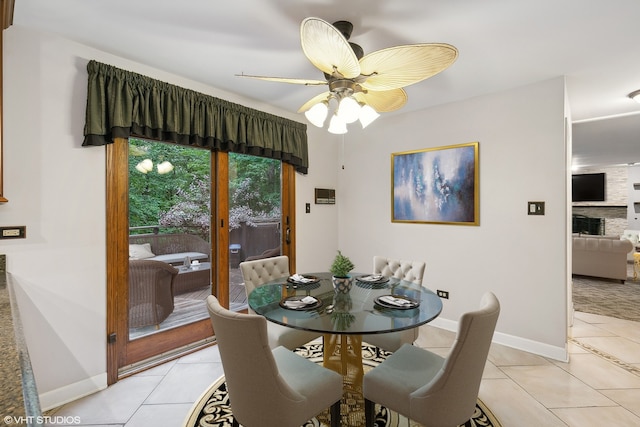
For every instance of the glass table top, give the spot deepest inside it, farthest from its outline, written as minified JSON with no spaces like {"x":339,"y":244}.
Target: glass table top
{"x":359,"y":311}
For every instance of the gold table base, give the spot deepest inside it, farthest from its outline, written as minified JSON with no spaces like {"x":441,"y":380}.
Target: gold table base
{"x":343,"y":354}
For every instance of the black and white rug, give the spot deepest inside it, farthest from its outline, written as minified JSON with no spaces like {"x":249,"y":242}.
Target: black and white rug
{"x":213,"y":408}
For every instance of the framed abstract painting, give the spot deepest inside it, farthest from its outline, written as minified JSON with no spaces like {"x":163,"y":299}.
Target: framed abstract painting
{"x":436,"y":185}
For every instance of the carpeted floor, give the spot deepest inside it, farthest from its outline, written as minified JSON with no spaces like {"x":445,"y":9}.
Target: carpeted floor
{"x":213,"y":410}
{"x":607,"y":297}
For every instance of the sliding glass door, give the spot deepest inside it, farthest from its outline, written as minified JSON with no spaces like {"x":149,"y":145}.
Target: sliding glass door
{"x":179,"y":221}
{"x":255,"y":217}
{"x":169,"y":226}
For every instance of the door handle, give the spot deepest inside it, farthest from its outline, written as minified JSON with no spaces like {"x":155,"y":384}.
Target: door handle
{"x":287,"y":238}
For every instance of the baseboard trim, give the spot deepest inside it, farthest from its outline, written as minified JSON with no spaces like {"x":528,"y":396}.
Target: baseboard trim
{"x":58,"y":397}
{"x":557,"y":353}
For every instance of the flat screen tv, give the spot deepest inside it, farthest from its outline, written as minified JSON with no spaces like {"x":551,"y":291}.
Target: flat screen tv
{"x":588,"y":187}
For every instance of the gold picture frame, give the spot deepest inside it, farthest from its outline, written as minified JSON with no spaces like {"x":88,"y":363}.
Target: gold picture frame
{"x":436,"y":185}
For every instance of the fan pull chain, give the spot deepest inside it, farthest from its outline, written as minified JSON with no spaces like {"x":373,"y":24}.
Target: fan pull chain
{"x":342,"y":148}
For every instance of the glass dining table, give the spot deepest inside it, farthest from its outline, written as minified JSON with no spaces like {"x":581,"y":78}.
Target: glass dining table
{"x":373,"y":305}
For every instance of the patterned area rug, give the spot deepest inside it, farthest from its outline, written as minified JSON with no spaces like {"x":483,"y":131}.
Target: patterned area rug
{"x":213,"y":410}
{"x":607,"y":297}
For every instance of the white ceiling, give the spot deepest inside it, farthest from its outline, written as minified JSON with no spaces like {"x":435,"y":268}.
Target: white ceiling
{"x":502,"y":44}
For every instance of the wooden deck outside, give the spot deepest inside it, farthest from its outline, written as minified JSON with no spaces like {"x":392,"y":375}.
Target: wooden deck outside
{"x":191,"y":306}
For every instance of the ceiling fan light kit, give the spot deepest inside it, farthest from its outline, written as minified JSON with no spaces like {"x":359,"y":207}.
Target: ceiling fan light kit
{"x":349,"y":109}
{"x":362,"y":85}
{"x":635,"y":95}
{"x":337,"y":125}
{"x":318,"y":113}
{"x":367,"y":115}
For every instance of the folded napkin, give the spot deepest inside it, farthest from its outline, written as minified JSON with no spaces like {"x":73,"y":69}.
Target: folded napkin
{"x":300,"y":303}
{"x":371,"y":278}
{"x":400,"y":302}
{"x":301,"y":279}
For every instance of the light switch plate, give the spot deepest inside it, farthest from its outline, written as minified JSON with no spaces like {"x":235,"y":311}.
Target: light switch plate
{"x":535,"y":208}
{"x":16,"y":232}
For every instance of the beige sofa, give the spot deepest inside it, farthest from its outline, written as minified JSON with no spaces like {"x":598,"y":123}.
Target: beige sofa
{"x":600,"y":256}
{"x":169,"y":248}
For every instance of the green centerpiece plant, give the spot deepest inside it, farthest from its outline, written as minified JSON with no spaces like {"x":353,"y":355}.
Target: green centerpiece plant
{"x":340,"y":268}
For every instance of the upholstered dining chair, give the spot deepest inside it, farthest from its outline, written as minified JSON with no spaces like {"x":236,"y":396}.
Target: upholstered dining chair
{"x":258,"y":272}
{"x":150,"y":292}
{"x":430,"y":389}
{"x":412,"y":271}
{"x":269,"y":388}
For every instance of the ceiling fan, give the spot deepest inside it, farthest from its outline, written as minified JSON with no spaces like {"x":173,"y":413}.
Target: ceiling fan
{"x":362,"y":85}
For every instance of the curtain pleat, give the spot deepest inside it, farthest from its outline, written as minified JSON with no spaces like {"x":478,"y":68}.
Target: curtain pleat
{"x":121,"y":103}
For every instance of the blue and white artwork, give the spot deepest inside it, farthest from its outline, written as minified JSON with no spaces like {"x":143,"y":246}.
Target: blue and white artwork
{"x":437,"y":185}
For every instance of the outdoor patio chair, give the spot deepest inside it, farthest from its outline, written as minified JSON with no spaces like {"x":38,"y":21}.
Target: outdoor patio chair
{"x":150,"y":292}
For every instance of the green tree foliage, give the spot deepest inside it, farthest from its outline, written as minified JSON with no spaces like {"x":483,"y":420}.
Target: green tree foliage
{"x":254,"y":182}
{"x":190,"y":213}
{"x":152,"y":193}
{"x":254,"y":189}
{"x":179,"y":200}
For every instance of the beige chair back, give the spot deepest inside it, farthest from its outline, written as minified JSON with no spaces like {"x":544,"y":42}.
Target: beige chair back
{"x":269,"y":388}
{"x":451,"y":396}
{"x":254,"y":385}
{"x":258,"y":272}
{"x":412,"y":271}
{"x":261,"y":271}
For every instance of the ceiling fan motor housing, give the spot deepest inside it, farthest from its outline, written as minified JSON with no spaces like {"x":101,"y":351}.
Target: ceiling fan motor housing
{"x":345,"y":27}
{"x":344,"y":87}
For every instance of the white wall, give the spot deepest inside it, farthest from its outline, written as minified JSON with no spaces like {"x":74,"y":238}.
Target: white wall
{"x":633,"y":217}
{"x":317,"y":231}
{"x":521,"y":258}
{"x":57,"y":189}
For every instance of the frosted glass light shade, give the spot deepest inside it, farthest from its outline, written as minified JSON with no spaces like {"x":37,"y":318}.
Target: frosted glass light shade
{"x":317,"y":114}
{"x":164,"y":167}
{"x":145,"y":166}
{"x":367,"y":115}
{"x":349,"y":109}
{"x":337,"y":125}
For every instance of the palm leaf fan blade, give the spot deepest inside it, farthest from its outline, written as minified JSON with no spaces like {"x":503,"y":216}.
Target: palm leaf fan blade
{"x":383,"y":101}
{"x":327,"y":48}
{"x":401,"y":66}
{"x":306,"y":82}
{"x":313,"y":101}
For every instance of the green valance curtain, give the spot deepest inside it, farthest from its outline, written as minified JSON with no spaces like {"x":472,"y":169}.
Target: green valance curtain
{"x":121,"y":103}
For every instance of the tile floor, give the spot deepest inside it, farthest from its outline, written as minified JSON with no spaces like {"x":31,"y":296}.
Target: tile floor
{"x":600,"y":386}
